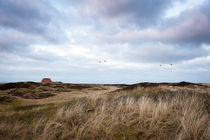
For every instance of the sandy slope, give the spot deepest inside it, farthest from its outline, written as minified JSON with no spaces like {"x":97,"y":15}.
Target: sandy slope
{"x":68,"y":96}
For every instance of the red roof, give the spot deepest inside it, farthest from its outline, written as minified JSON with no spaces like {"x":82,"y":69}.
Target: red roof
{"x":46,"y":80}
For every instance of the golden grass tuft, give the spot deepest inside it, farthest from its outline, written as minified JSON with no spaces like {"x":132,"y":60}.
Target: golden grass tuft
{"x":130,"y":118}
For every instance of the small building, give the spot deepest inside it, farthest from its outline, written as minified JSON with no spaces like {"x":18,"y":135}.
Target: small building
{"x":46,"y":80}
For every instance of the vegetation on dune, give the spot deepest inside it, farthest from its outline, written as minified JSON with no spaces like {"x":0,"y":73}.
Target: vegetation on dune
{"x":32,"y":90}
{"x":154,"y":85}
{"x":160,"y":112}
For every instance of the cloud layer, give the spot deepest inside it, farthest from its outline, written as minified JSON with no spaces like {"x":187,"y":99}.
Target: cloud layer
{"x":66,"y":39}
{"x":29,"y":16}
{"x":142,"y":12}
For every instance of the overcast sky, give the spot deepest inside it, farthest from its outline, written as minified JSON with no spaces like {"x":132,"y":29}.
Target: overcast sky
{"x":139,"y":39}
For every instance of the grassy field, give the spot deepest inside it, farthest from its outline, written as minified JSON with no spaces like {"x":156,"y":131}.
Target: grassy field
{"x":156,"y":111}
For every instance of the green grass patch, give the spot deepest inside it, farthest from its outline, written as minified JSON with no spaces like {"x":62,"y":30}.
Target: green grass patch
{"x":26,"y":115}
{"x":30,"y":107}
{"x":13,"y":103}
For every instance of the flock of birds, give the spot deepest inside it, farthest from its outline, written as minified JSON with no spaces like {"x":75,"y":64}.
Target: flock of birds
{"x":102,"y":61}
{"x":105,"y":62}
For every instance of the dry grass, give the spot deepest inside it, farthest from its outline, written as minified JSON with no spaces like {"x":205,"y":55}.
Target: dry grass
{"x":157,"y":113}
{"x":32,"y":90}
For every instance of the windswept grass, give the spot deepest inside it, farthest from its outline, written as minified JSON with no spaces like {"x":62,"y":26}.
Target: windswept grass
{"x":181,"y":117}
{"x":154,"y":113}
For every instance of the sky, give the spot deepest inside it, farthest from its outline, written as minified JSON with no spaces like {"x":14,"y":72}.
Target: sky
{"x":68,"y":40}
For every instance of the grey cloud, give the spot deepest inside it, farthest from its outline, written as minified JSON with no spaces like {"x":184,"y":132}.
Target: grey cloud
{"x":153,"y":52}
{"x":12,"y":44}
{"x":24,"y":22}
{"x":190,"y":28}
{"x":165,"y":54}
{"x":143,"y":12}
{"x":28,"y":16}
{"x":15,"y":41}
